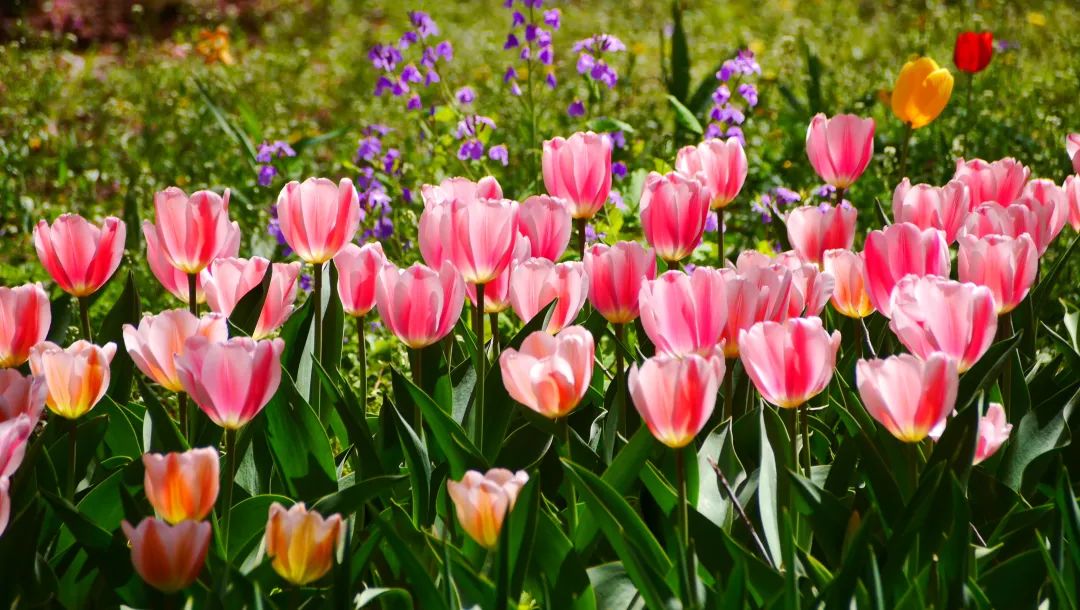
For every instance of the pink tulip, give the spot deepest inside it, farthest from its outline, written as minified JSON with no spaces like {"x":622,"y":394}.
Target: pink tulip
{"x":21,"y":395}
{"x":173,"y":279}
{"x":932,"y":207}
{"x":230,"y":279}
{"x":1044,"y":222}
{"x":909,"y":396}
{"x":497,"y":291}
{"x":159,"y":340}
{"x":1026,"y":215}
{"x":78,"y":255}
{"x":318,"y":218}
{"x":357,"y":269}
{"x":812,"y":290}
{"x":550,"y":375}
{"x":675,"y":395}
{"x":1001,"y":181}
{"x":753,"y":294}
{"x":813,"y":229}
{"x":460,"y":189}
{"x":535,"y":282}
{"x":840,"y":148}
{"x":849,"y":274}
{"x":1072,"y":198}
{"x":25,"y":317}
{"x":479,"y":237}
{"x":280,"y":297}
{"x":684,"y":313}
{"x":482,"y":501}
{"x":76,"y":377}
{"x":191,"y":231}
{"x":673,"y":213}
{"x":1045,"y":191}
{"x":182,"y":486}
{"x":789,"y":362}
{"x":994,"y":430}
{"x":934,"y":314}
{"x":719,"y":164}
{"x":898,"y":250}
{"x":1072,"y":147}
{"x":232,"y":380}
{"x":615,"y":277}
{"x":429,"y":233}
{"x":546,"y":222}
{"x":578,"y":170}
{"x":13,"y":436}
{"x":1005,"y":265}
{"x":419,"y":305}
{"x":168,"y":557}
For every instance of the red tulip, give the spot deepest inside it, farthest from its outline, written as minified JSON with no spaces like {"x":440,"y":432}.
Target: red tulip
{"x":182,"y":486}
{"x":840,"y":148}
{"x":318,"y":217}
{"x":578,"y":170}
{"x":419,"y":305}
{"x":191,"y":231}
{"x":973,"y":51}
{"x":25,"y":317}
{"x":535,"y":282}
{"x":550,"y":375}
{"x":615,"y":277}
{"x":789,"y":362}
{"x":933,"y":314}
{"x":175,"y":280}
{"x":1001,"y":181}
{"x":159,"y":340}
{"x":932,"y":207}
{"x":673,"y":213}
{"x":675,"y":395}
{"x":546,"y":222}
{"x":358,"y":267}
{"x":994,"y":430}
{"x":813,"y":229}
{"x":78,"y":255}
{"x":899,"y":250}
{"x":849,"y":274}
{"x":232,"y":380}
{"x":76,"y":377}
{"x":684,"y":313}
{"x":1072,"y":147}
{"x":13,"y":436}
{"x":909,"y":396}
{"x":1005,"y":265}
{"x":21,"y":395}
{"x":168,"y":557}
{"x":720,"y":165}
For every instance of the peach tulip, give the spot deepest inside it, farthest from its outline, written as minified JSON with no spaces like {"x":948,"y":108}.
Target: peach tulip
{"x":840,"y":148}
{"x":182,"y":486}
{"x":80,"y":256}
{"x":159,"y":340}
{"x":932,"y":207}
{"x":460,"y":189}
{"x":934,"y":314}
{"x":479,"y":237}
{"x":191,"y":231}
{"x":849,"y":296}
{"x":25,"y":317}
{"x":536,"y":282}
{"x":318,"y":217}
{"x":76,"y":377}
{"x":232,"y":380}
{"x":684,"y":313}
{"x":357,"y":267}
{"x":615,"y":276}
{"x":301,"y":544}
{"x":675,"y":395}
{"x":21,"y":395}
{"x":994,"y":430}
{"x":173,"y":279}
{"x":550,"y":374}
{"x":789,"y":362}
{"x":673,"y":212}
{"x":813,"y":229}
{"x":898,"y":250}
{"x":1001,"y":181}
{"x":1072,"y":199}
{"x":1007,"y":266}
{"x":482,"y":501}
{"x":719,"y":164}
{"x":546,"y":222}
{"x":921,"y":91}
{"x":578,"y":170}
{"x":419,"y":305}
{"x":13,"y":436}
{"x":168,"y":557}
{"x":1072,"y":147}
{"x":909,"y":396}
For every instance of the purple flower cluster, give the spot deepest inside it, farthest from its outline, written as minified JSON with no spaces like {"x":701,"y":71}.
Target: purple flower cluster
{"x":375,"y":160}
{"x":420,"y":71}
{"x":268,"y":151}
{"x":530,"y":39}
{"x":469,"y":131}
{"x":767,"y":204}
{"x":590,"y":61}
{"x":728,"y":112}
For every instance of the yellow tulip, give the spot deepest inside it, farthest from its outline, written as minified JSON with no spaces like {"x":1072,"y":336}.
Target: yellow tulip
{"x":921,"y":92}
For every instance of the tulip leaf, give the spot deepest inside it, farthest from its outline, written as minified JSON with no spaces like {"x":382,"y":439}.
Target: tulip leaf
{"x":353,"y":417}
{"x":126,"y":310}
{"x":248,"y":522}
{"x":416,"y":460}
{"x":620,"y":475}
{"x":1041,"y":292}
{"x":298,"y":443}
{"x":60,"y":308}
{"x":448,"y":435}
{"x":980,"y":376}
{"x":121,"y":437}
{"x":1040,"y":431}
{"x":164,"y":435}
{"x":678,"y":84}
{"x":520,"y":526}
{"x":245,"y":315}
{"x":768,"y":488}
{"x":351,"y":499}
{"x":383,"y":597}
{"x":684,"y":118}
{"x":408,"y":557}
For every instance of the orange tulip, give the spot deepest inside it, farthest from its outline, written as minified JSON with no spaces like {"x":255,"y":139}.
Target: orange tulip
{"x":302,"y":544}
{"x":182,"y":486}
{"x":168,"y":557}
{"x":922,"y":89}
{"x":76,"y":377}
{"x":482,"y":502}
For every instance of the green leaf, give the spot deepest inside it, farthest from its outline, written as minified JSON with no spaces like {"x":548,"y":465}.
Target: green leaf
{"x":684,"y":118}
{"x":985,"y":371}
{"x":248,"y":522}
{"x":1042,"y":430}
{"x":768,"y":491}
{"x":679,"y":84}
{"x":121,"y":437}
{"x":354,"y":418}
{"x":408,"y":557}
{"x":557,"y":570}
{"x":126,"y":310}
{"x":1042,"y":291}
{"x":416,"y":460}
{"x":606,"y":124}
{"x":620,"y":476}
{"x":164,"y":435}
{"x":351,"y":499}
{"x":298,"y":443}
{"x":227,"y":125}
{"x":614,"y":588}
{"x":521,"y":526}
{"x":449,"y":436}
{"x":60,"y":308}
{"x":385,"y":597}
{"x":246,"y":314}
{"x":1015,"y":582}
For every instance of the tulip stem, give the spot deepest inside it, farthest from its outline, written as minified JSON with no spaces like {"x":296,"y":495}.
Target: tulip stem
{"x":869,"y":343}
{"x":904,"y":150}
{"x":792,"y":430}
{"x":493,"y":318}
{"x":316,"y":389}
{"x":84,"y":318}
{"x":729,"y":390}
{"x":226,"y":507}
{"x":183,"y":407}
{"x":361,"y":347}
{"x":684,"y":529}
{"x":805,"y":416}
{"x":481,"y":363}
{"x":620,"y":378}
{"x":193,"y":292}
{"x":571,"y":509}
{"x":416,"y":363}
{"x":581,"y":224}
{"x":182,"y":411}
{"x":720,"y":258}
{"x":73,"y":437}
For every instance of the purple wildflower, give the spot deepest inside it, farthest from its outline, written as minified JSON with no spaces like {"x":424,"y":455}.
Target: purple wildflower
{"x":499,"y":153}
{"x":266,"y":175}
{"x":552,"y":18}
{"x":465,"y":96}
{"x":618,"y":169}
{"x":576,"y":108}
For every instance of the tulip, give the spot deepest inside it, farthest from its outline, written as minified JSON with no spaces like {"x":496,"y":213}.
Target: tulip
{"x":994,"y":430}
{"x":460,"y":189}
{"x":1044,"y":223}
{"x":932,"y":314}
{"x":578,"y":170}
{"x":849,"y":296}
{"x":684,"y":313}
{"x":301,"y":544}
{"x":932,"y":207}
{"x":1001,"y":181}
{"x":429,"y":232}
{"x":813,"y":229}
{"x":159,"y":340}
{"x":616,"y":274}
{"x":1014,"y":220}
{"x":357,"y":269}
{"x":168,"y":557}
{"x":898,"y":250}
{"x":318,"y":218}
{"x":76,"y":377}
{"x":175,"y":280}
{"x":756,"y":291}
{"x":909,"y":396}
{"x":789,"y":362}
{"x":229,"y":279}
{"x":21,"y":395}
{"x":673,"y":213}
{"x":1072,"y":147}
{"x":482,"y":501}
{"x":13,"y":436}
{"x":25,"y":317}
{"x":921,"y":91}
{"x":676,"y":395}
{"x":811,"y":291}
{"x":973,"y":51}
{"x":479,"y":237}
{"x":5,"y":503}
{"x":536,"y":282}
{"x":1072,"y":197}
{"x":280,"y":296}
{"x":550,"y":374}
{"x":182,"y":486}
{"x":191,"y":231}
{"x":546,"y":222}
{"x":497,"y":292}
{"x":719,"y":164}
{"x":419,"y":305}
{"x":78,"y":255}
{"x":840,"y":148}
{"x":1007,"y":266}
{"x":231,"y":380}
{"x":1054,"y":198}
